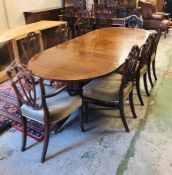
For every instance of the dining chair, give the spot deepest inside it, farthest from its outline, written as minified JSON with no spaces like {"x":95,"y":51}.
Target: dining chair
{"x":62,"y":34}
{"x":143,"y":65}
{"x":30,"y":46}
{"x":40,"y":103}
{"x":142,"y":71}
{"x":112,"y":90}
{"x":152,"y":59}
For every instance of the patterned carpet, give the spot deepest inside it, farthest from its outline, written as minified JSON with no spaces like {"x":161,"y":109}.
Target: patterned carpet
{"x":9,"y":114}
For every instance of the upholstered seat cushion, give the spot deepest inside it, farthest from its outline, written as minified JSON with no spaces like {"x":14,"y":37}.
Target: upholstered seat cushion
{"x":60,"y":106}
{"x":153,"y":57}
{"x":106,"y":88}
{"x":143,"y":70}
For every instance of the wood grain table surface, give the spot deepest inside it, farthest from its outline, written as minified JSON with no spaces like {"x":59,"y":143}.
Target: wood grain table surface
{"x":92,"y":55}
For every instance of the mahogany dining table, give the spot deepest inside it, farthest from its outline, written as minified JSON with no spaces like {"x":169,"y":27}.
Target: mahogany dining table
{"x":89,"y":56}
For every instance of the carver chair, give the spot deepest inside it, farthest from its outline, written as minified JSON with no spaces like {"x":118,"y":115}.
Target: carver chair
{"x":112,"y":90}
{"x":40,"y":103}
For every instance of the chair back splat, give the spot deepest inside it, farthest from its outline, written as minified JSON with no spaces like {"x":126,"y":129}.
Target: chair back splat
{"x":62,"y":34}
{"x":24,"y":85}
{"x":30,"y":46}
{"x":130,"y":66}
{"x":146,"y":50}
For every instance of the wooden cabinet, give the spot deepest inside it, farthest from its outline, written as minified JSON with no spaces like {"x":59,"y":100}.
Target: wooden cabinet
{"x":51,"y":14}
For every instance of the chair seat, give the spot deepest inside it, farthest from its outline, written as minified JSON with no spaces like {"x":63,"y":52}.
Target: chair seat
{"x":60,"y":106}
{"x":106,"y":88}
{"x":143,"y":70}
{"x":153,"y":57}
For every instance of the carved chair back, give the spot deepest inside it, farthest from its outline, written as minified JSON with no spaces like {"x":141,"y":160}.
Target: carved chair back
{"x":79,"y":27}
{"x":62,"y":34}
{"x":156,"y":40}
{"x":130,"y":66}
{"x":146,"y":50}
{"x":30,"y":46}
{"x":24,"y":85}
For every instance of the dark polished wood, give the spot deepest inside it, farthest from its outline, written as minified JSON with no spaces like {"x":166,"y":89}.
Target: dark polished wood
{"x":91,"y":55}
{"x":43,"y":14}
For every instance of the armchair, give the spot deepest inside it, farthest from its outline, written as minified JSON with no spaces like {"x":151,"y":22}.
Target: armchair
{"x":152,"y":21}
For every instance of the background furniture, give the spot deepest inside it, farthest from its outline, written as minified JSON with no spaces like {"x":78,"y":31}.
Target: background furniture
{"x":50,"y":14}
{"x":20,"y":32}
{"x":152,"y":21}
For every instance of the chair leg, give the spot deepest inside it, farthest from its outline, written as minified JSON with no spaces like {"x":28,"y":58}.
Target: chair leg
{"x":82,"y":117}
{"x":132,"y":104}
{"x":122,"y":115}
{"x":46,"y":141}
{"x":153,"y":68}
{"x":149,"y":75}
{"x":86,"y":111}
{"x":24,"y":132}
{"x":138,"y":90}
{"x":145,"y":84}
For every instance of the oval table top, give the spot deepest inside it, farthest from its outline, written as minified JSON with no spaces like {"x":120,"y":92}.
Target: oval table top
{"x":92,"y":55}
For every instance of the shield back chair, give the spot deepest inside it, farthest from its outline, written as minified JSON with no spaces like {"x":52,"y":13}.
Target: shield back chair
{"x":145,"y":52}
{"x":112,"y":90}
{"x":31,"y":45}
{"x":58,"y":36}
{"x":157,"y":37}
{"x":62,"y":34}
{"x":40,"y":103}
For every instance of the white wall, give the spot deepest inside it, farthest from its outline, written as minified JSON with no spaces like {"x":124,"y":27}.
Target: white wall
{"x":3,"y":19}
{"x":15,"y":9}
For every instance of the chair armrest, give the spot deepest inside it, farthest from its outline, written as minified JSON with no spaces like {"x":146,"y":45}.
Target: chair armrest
{"x":55,"y":92}
{"x":157,"y":17}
